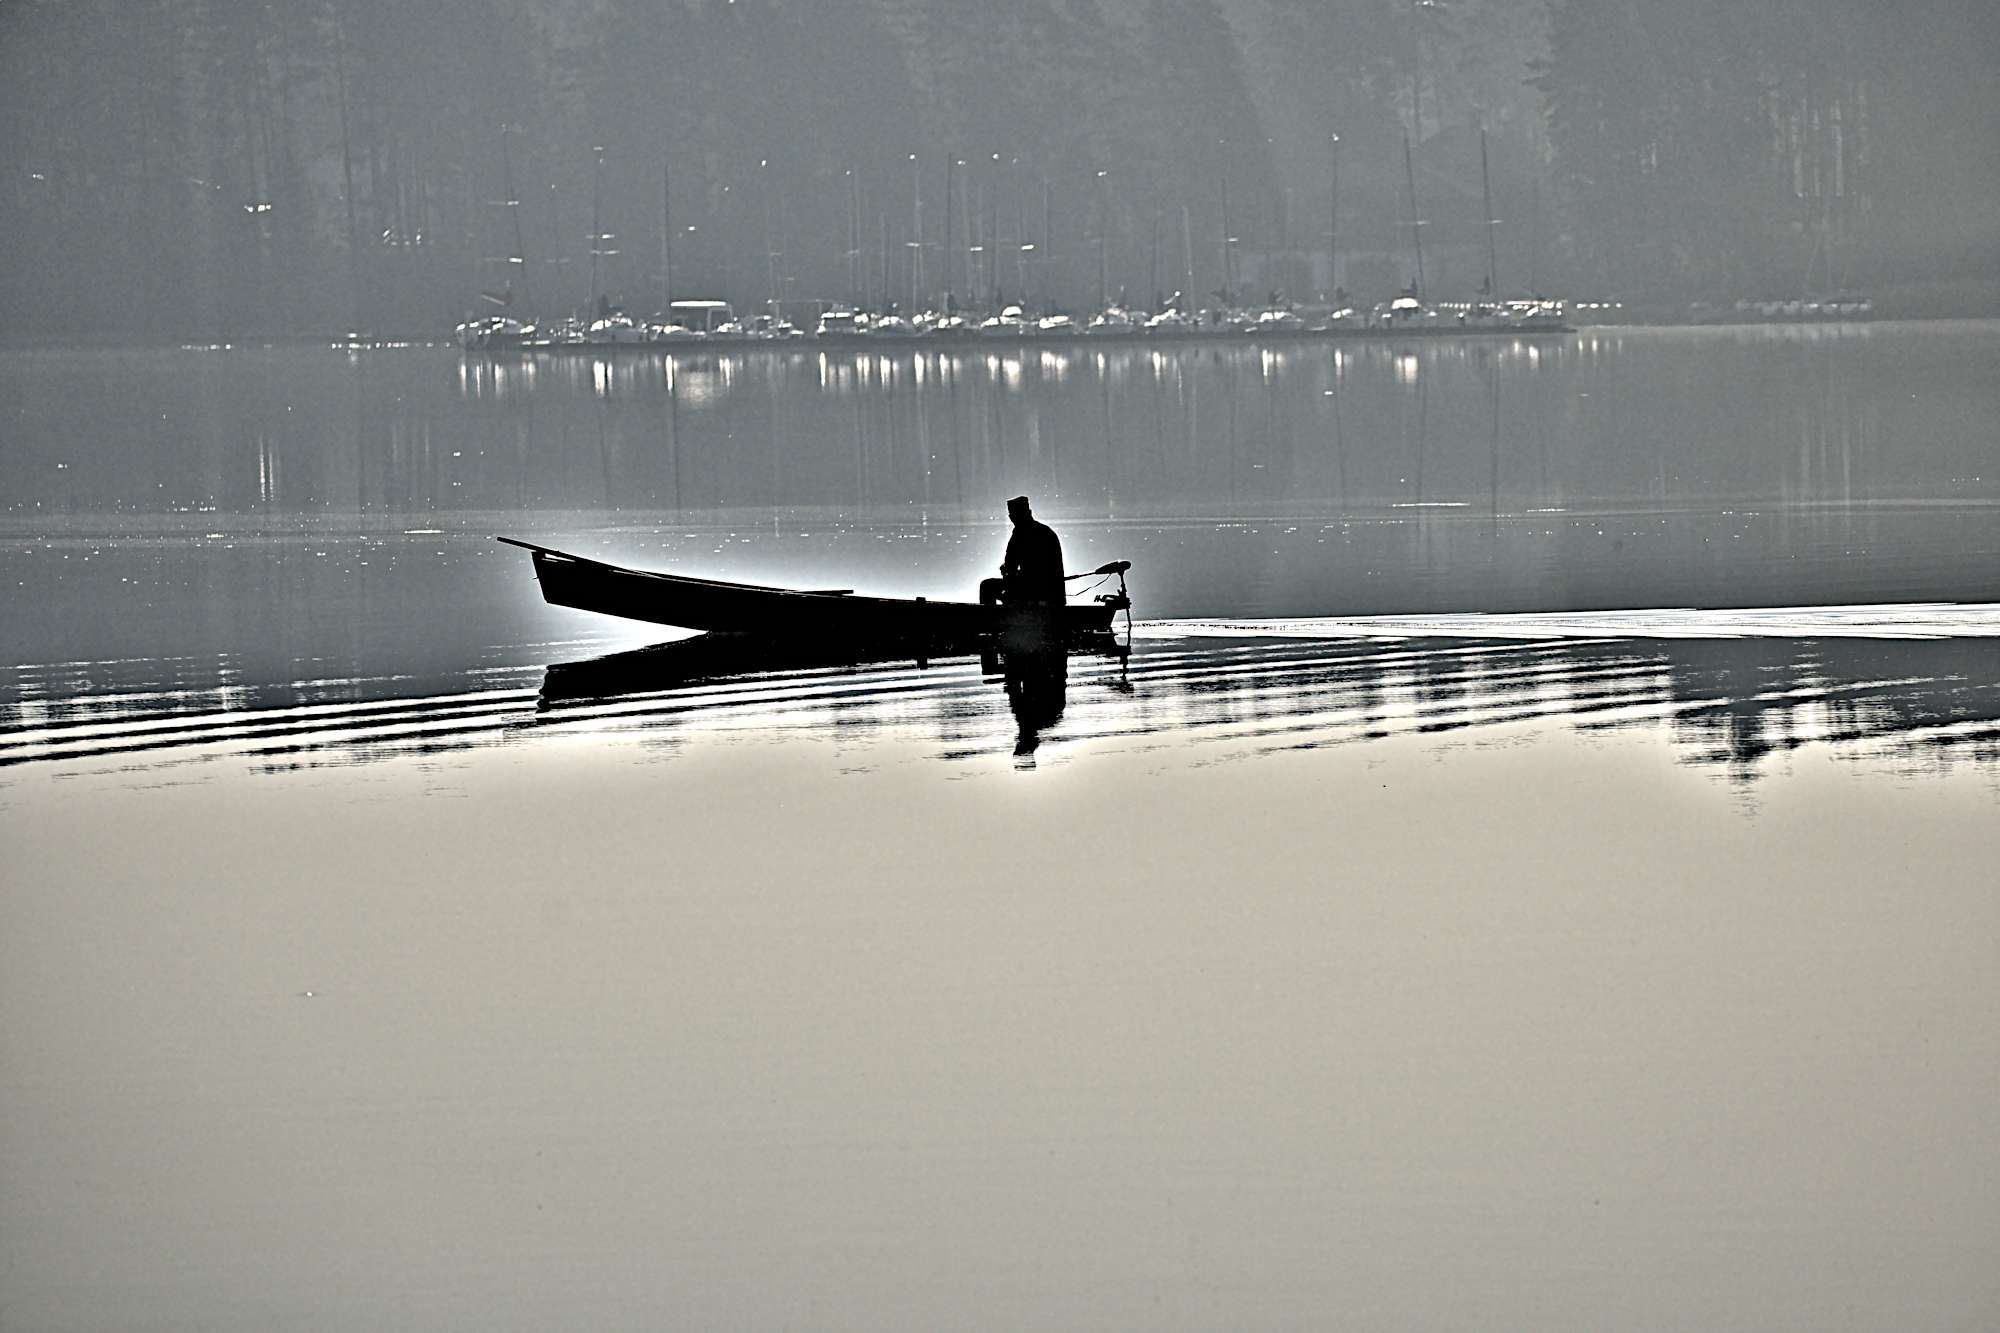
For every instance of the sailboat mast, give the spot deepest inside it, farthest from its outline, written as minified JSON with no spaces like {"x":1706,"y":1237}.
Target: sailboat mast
{"x":666,"y":244}
{"x":1153,"y":263}
{"x":1416,"y":223}
{"x":1535,"y":242}
{"x":558,"y":252}
{"x":993,"y":257}
{"x":917,"y":264}
{"x":1021,"y":242}
{"x":1228,"y":244}
{"x":1048,"y":216}
{"x":596,"y":223}
{"x":1486,"y":192}
{"x":854,"y":242}
{"x":978,"y":258}
{"x":520,"y":260}
{"x":1103,"y":244}
{"x":770,"y":240}
{"x":1187,"y":253}
{"x":1103,"y":272}
{"x":1333,"y":224}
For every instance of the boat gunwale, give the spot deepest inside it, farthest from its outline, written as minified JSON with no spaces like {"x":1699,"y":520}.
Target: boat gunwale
{"x":773,"y":599}
{"x":551,"y":553}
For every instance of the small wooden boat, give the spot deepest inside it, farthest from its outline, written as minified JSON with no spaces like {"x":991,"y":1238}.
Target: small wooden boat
{"x":744,"y":608}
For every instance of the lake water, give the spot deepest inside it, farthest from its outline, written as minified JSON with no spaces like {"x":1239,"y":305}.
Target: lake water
{"x":1534,"y":868}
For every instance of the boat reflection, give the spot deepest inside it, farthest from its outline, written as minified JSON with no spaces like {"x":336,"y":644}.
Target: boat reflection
{"x":712,"y":657}
{"x":1034,"y":677}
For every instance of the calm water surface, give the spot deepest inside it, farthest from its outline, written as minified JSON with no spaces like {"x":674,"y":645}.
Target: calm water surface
{"x":1532,"y":869}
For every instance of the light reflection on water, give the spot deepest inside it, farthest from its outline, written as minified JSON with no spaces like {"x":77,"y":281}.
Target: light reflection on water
{"x":1736,"y":706}
{"x":1610,"y":468}
{"x":1689,"y":418}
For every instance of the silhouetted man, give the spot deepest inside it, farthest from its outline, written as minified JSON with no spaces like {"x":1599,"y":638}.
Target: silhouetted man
{"x":1033,"y":568}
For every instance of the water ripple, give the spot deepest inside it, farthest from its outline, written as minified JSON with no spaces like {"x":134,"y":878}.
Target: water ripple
{"x":1818,"y":676}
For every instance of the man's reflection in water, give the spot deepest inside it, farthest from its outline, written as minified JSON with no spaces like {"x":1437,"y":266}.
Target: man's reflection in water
{"x":1037,"y":684}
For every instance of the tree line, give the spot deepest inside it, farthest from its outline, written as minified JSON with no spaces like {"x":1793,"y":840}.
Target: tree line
{"x":222,"y":169}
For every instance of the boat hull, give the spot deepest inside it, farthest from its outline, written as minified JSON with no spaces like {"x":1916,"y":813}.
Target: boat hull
{"x":741,"y":608}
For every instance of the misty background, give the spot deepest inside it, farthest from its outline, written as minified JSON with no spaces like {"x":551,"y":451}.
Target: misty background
{"x":178,"y":170}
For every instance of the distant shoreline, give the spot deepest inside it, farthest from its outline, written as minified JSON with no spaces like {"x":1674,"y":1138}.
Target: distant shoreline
{"x":1896,"y":308}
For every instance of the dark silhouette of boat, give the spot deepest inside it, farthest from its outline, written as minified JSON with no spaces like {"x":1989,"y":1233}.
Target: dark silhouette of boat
{"x":913,"y":626}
